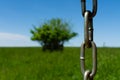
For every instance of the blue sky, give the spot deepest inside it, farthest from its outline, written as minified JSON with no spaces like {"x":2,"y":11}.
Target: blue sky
{"x":18,"y":16}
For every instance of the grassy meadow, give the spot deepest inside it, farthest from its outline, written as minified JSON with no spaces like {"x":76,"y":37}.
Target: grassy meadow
{"x":33,"y":64}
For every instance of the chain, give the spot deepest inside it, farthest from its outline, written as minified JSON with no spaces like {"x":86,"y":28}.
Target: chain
{"x":88,"y":40}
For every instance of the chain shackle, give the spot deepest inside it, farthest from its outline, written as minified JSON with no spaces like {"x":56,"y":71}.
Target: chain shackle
{"x":94,"y":9}
{"x":94,"y":56}
{"x":88,"y":29}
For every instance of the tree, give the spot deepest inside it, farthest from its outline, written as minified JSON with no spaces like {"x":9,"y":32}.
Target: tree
{"x":52,"y":34}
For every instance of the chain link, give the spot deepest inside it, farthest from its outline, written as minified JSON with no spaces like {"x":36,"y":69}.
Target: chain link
{"x":94,"y":56}
{"x":88,"y":31}
{"x":87,"y":75}
{"x":94,"y":9}
{"x":88,"y":40}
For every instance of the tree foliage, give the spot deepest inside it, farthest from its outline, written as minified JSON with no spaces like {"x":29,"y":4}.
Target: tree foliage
{"x":52,"y":34}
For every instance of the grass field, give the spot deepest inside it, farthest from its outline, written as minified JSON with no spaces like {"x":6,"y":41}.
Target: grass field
{"x":33,"y":64}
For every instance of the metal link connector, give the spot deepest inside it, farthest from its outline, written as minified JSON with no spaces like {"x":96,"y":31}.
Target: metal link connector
{"x":94,"y":9}
{"x":88,"y":29}
{"x":94,"y":56}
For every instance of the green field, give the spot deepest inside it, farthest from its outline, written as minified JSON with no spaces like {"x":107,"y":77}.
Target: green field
{"x":33,"y":64}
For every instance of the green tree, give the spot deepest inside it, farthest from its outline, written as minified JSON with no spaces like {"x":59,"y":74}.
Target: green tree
{"x":52,"y":34}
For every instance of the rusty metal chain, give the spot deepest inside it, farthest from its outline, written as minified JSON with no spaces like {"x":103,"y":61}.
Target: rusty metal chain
{"x":88,"y":40}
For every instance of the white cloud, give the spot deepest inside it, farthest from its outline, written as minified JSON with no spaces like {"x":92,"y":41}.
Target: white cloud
{"x":13,"y":40}
{"x":10,"y":39}
{"x":11,"y":36}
